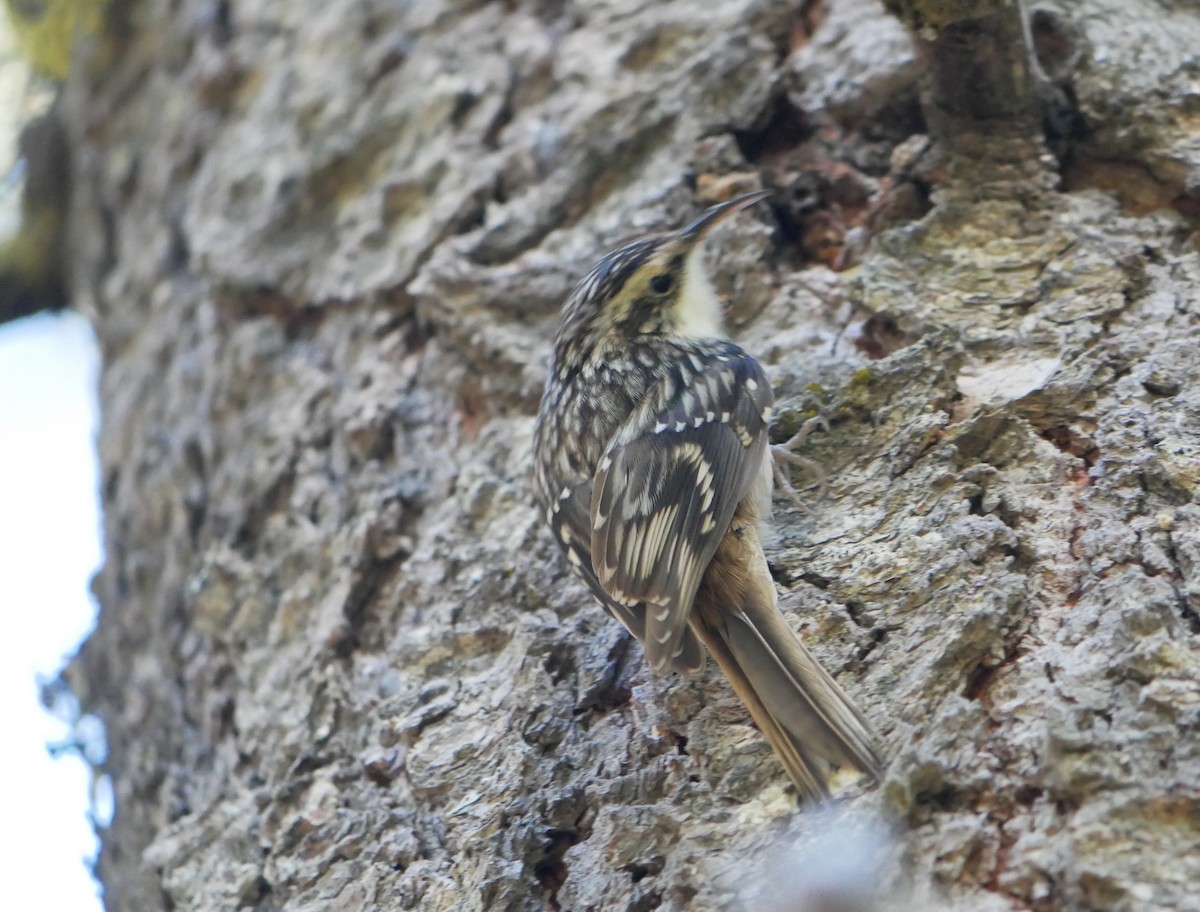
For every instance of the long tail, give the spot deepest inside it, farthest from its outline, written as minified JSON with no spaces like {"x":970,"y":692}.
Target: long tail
{"x":808,"y":720}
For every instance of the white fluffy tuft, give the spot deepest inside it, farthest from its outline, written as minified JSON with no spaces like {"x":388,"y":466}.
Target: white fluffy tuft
{"x":698,"y":308}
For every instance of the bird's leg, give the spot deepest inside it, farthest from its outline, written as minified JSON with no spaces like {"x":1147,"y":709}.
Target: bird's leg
{"x":782,"y":455}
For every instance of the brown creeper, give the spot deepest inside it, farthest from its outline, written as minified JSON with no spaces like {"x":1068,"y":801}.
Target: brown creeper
{"x":653,"y":467}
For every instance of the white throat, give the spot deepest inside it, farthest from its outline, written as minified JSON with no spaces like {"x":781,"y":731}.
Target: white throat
{"x":698,"y":310}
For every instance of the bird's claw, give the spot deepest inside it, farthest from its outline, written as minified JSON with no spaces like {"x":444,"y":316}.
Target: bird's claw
{"x":782,"y":454}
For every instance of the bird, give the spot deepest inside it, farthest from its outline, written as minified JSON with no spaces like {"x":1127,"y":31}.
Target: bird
{"x":653,"y":467}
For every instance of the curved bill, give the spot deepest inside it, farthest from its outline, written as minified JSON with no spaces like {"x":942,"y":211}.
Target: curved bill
{"x":710,"y":218}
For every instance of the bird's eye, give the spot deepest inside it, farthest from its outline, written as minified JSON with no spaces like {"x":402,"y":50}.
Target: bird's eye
{"x":662,"y":283}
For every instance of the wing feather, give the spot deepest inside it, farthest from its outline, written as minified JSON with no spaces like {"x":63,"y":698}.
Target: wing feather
{"x":571,"y":524}
{"x":667,"y":487}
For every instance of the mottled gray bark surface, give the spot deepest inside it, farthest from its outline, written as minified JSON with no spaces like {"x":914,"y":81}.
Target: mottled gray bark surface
{"x":342,"y":665}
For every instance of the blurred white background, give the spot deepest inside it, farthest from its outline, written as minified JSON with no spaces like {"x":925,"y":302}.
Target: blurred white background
{"x":49,"y":548}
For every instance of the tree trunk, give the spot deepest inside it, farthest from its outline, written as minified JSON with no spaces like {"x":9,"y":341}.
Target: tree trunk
{"x":340,"y":661}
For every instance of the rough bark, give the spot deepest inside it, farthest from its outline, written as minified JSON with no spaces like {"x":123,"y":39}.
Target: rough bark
{"x":341,"y":663}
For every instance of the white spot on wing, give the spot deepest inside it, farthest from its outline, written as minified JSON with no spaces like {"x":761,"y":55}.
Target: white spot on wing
{"x":629,"y":553}
{"x":656,"y":535}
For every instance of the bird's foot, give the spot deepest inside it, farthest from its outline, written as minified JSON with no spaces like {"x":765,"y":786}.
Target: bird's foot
{"x":782,"y":456}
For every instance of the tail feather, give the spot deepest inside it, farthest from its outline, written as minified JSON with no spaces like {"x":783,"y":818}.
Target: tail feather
{"x":803,"y":713}
{"x":810,"y":780}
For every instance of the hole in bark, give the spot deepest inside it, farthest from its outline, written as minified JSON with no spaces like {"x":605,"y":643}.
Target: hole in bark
{"x":1054,"y":43}
{"x":1070,"y":441}
{"x":610,"y":692}
{"x":978,"y":681}
{"x":226,"y":717}
{"x":1028,"y":794}
{"x":370,"y":581}
{"x":836,"y":183}
{"x":1158,"y":385}
{"x":560,"y":664}
{"x":1056,"y":47}
{"x":551,"y":874}
{"x":639,"y":871}
{"x":1186,"y":611}
{"x":878,"y":635}
{"x":472,"y":216}
{"x":826,"y":207}
{"x":984,"y":676}
{"x":816,"y":580}
{"x":779,"y":573}
{"x":380,"y":771}
{"x":307,"y":764}
{"x":880,"y":336}
{"x":610,"y":697}
{"x":858,"y":614}
{"x":786,"y":127}
{"x":256,"y":892}
{"x":551,"y":870}
{"x":1063,"y":124}
{"x":464,"y":103}
{"x":948,"y":798}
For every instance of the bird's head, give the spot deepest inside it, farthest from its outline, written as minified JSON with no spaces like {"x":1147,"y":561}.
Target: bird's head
{"x":657,"y":285}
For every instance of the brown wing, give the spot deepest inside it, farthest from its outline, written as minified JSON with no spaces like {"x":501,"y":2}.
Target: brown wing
{"x":571,"y":524}
{"x":667,"y":487}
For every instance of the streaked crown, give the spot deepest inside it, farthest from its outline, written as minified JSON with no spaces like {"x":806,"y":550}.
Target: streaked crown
{"x":656,"y":285}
